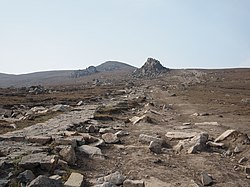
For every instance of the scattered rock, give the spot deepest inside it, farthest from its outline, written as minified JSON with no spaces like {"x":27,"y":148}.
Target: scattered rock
{"x":155,"y":147}
{"x":68,"y":154}
{"x":116,"y":178}
{"x":121,"y":133}
{"x":146,"y":139}
{"x":237,"y":150}
{"x":207,"y":124}
{"x":26,"y":176}
{"x":225,"y":134}
{"x":110,"y":138}
{"x":74,"y":180}
{"x":42,"y":160}
{"x":42,"y":181}
{"x":105,"y":184}
{"x":243,"y":159}
{"x":198,"y":143}
{"x":39,"y":139}
{"x":214,"y":144}
{"x":4,"y":182}
{"x":206,"y":179}
{"x":90,"y":151}
{"x":133,"y":183}
{"x":60,"y":108}
{"x":91,"y":129}
{"x":180,"y":135}
{"x":79,"y":103}
{"x":105,"y":130}
{"x":247,"y":169}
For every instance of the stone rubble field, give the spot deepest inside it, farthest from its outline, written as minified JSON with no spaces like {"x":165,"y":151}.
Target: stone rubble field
{"x":179,"y":129}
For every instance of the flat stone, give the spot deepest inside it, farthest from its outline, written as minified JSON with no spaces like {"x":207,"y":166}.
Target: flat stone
{"x":66,"y":141}
{"x":39,"y":139}
{"x":42,"y":160}
{"x":133,"y":183}
{"x":74,"y":180}
{"x":214,"y":144}
{"x":207,"y":124}
{"x":180,"y":135}
{"x":68,"y":154}
{"x":42,"y":181}
{"x":110,"y":138}
{"x":225,"y":134}
{"x":206,"y":179}
{"x":146,"y":139}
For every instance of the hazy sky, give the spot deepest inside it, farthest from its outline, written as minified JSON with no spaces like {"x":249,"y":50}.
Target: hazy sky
{"x":37,"y":35}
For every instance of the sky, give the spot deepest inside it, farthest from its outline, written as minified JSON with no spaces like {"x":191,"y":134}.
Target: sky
{"x":41,"y":35}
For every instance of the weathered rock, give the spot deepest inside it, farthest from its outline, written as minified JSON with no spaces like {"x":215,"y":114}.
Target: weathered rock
{"x":225,"y":134}
{"x":180,"y":135}
{"x":66,"y":141}
{"x":42,"y":160}
{"x":155,"y":147}
{"x":243,"y":159}
{"x":60,"y":108}
{"x":68,"y":154}
{"x":91,"y":129}
{"x":39,"y":139}
{"x":90,"y":151}
{"x":214,"y":144}
{"x":143,"y":138}
{"x":133,"y":183}
{"x":105,"y":130}
{"x":151,"y":68}
{"x":42,"y":181}
{"x":137,"y":119}
{"x":79,"y":103}
{"x":105,"y":184}
{"x":237,"y":150}
{"x":198,"y":143}
{"x":56,"y":177}
{"x":207,"y":124}
{"x":121,"y":133}
{"x":110,"y":138}
{"x":116,"y":178}
{"x":247,"y":169}
{"x":26,"y":176}
{"x":4,"y":182}
{"x":74,"y":180}
{"x":206,"y":179}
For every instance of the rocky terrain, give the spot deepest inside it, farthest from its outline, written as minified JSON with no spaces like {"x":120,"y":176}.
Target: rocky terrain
{"x":171,"y":128}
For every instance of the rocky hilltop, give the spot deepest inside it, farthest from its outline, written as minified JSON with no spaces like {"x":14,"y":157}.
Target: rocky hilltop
{"x":151,"y":68}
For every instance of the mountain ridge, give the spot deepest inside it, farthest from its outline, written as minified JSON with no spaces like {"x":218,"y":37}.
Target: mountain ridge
{"x":42,"y":77}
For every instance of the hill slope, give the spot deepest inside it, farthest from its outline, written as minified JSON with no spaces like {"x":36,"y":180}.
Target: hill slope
{"x":58,"y":77}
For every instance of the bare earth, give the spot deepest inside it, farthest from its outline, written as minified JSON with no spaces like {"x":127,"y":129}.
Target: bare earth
{"x":179,"y":102}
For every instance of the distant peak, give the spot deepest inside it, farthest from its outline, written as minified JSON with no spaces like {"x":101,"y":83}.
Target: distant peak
{"x":151,"y":68}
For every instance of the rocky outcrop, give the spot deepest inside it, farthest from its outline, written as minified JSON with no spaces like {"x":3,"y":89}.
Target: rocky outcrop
{"x":151,"y":68}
